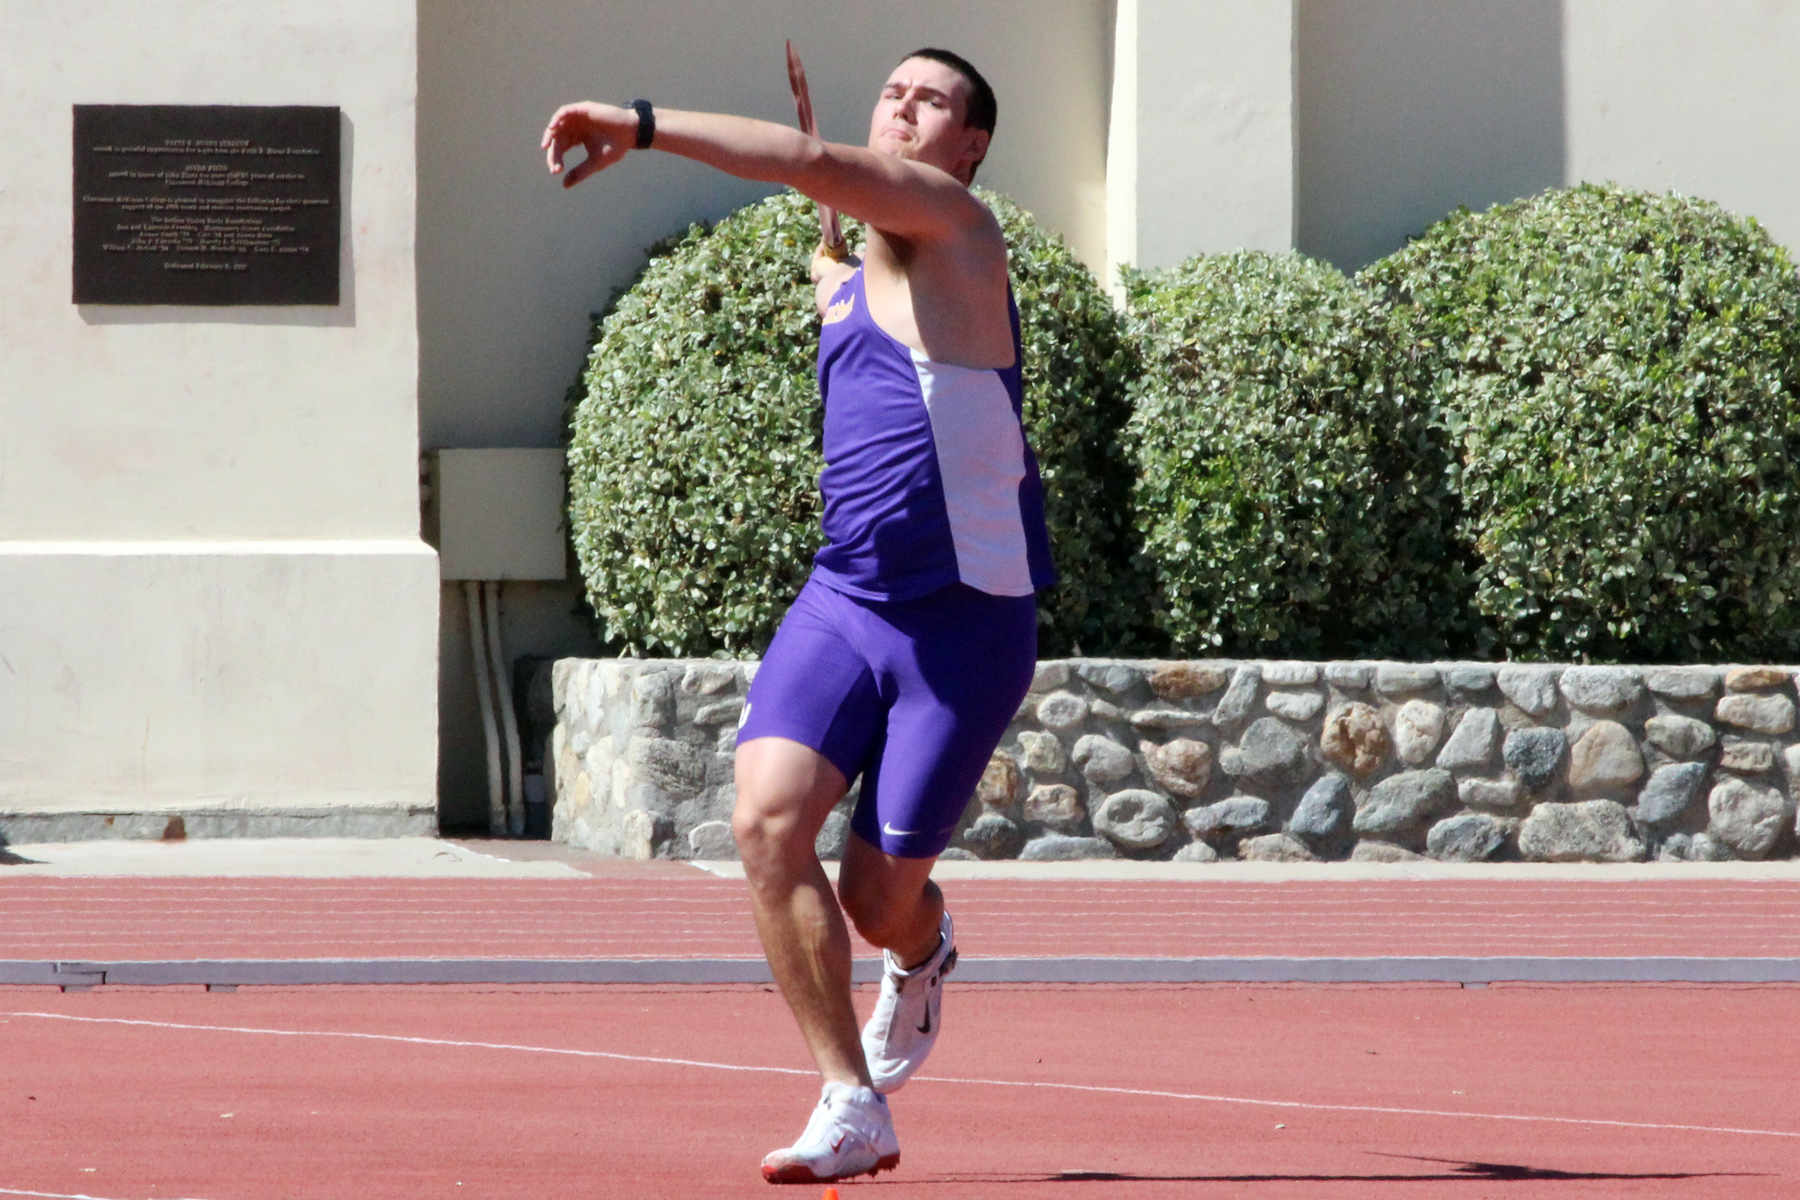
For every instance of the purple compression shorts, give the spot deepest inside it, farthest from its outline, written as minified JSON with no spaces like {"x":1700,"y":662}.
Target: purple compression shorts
{"x":912,"y":695}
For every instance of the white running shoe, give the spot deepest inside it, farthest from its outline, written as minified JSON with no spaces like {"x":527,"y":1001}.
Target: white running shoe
{"x":851,"y":1133}
{"x":905,"y":1024}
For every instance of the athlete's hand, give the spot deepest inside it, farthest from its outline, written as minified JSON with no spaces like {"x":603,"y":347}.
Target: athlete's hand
{"x":828,"y":266}
{"x":828,"y":275}
{"x":604,"y":130}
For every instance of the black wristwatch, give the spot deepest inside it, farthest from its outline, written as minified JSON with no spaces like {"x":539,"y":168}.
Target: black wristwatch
{"x":646,"y":122}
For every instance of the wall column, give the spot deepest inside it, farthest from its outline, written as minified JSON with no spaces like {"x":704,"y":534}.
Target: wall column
{"x":1201,"y":148}
{"x":219,"y":617}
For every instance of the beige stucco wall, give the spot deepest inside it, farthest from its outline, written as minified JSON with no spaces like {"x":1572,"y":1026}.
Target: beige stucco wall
{"x":1201,"y":154}
{"x":1408,"y":108}
{"x":510,"y":264}
{"x":209,"y":517}
{"x":286,"y":677}
{"x":1702,"y":98}
{"x":178,"y":423}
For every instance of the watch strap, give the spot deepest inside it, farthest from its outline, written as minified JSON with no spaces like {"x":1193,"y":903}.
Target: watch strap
{"x":646,"y":132}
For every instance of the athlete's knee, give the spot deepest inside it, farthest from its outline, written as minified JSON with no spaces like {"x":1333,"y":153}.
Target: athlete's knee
{"x":756,"y":829}
{"x":769,"y":834}
{"x":784,"y":790}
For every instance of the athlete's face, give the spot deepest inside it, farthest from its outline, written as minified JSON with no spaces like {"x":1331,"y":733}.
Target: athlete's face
{"x":923,"y":115}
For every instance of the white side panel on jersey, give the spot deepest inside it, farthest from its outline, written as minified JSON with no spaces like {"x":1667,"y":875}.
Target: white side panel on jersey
{"x":981,"y":459}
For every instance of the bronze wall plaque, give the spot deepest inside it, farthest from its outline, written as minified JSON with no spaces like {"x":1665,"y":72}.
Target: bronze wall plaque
{"x":206,"y":204}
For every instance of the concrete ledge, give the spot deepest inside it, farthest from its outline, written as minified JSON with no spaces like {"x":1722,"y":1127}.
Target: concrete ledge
{"x":251,"y":972}
{"x":248,"y":687}
{"x":1123,"y":870}
{"x":322,"y":857}
{"x":155,"y":821}
{"x":1380,"y":970}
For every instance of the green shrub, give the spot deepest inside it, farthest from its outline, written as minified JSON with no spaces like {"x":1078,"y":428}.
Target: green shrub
{"x":1620,"y":372}
{"x":1293,"y":499}
{"x":1078,"y":363}
{"x":695,"y":443}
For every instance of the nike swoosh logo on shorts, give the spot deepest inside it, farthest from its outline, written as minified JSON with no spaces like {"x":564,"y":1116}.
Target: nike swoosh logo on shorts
{"x":892,"y":832}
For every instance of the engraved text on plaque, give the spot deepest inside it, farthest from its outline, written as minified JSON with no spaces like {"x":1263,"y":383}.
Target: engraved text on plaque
{"x":202,"y":205}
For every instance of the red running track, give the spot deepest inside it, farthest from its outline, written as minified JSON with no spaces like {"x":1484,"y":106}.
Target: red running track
{"x":674,"y":911}
{"x":1092,"y":1093}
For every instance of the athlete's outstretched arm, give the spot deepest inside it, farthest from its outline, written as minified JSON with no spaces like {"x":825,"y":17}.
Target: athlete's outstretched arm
{"x":895,"y":195}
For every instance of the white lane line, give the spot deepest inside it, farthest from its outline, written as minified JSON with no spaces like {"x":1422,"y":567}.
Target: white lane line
{"x":988,"y":933}
{"x":24,"y":924}
{"x":1150,"y":1093}
{"x":420,"y":1041}
{"x":1222,"y":895}
{"x":104,"y":936}
{"x":1188,"y":899}
{"x":1358,"y":1108}
{"x":56,"y":1195}
{"x":997,"y":946}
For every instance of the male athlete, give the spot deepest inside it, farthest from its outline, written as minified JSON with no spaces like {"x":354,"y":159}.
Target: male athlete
{"x":912,"y":645}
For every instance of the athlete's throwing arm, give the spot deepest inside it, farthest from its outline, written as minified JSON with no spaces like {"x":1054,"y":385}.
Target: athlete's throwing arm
{"x":909,"y":650}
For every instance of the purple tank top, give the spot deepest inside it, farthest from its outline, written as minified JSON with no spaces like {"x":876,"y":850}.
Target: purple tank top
{"x":928,"y":480}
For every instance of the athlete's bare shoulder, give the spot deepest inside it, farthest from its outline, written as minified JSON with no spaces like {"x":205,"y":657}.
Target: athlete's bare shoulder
{"x":944,"y":296}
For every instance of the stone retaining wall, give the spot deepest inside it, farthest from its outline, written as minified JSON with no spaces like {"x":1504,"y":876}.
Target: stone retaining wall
{"x":1281,"y":761}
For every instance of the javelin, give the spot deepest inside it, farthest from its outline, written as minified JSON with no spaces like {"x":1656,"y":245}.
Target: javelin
{"x":831,"y":234}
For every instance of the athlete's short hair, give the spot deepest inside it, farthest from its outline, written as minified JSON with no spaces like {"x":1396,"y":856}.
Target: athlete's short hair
{"x":984,"y":109}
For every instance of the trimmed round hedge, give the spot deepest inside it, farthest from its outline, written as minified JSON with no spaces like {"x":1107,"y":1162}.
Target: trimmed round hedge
{"x":695,"y":435}
{"x":1621,"y":372}
{"x":1294,"y":499}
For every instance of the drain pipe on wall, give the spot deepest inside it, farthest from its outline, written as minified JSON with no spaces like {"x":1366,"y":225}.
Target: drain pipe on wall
{"x":497,"y":822}
{"x":509,"y":721}
{"x":497,"y":515}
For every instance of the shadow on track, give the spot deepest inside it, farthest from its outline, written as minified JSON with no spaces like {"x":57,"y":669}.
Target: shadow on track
{"x":1460,"y":1172}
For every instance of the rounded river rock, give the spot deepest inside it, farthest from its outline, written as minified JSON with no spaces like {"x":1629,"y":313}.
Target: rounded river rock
{"x":1324,"y":809}
{"x":1355,"y":739}
{"x":1670,"y":792}
{"x":1591,"y":831}
{"x":1535,"y":755}
{"x":1270,"y":754}
{"x":1135,"y":819}
{"x":1418,"y":726}
{"x":1470,"y":837}
{"x":1101,"y":759}
{"x":1748,"y":818}
{"x":1235,"y":816}
{"x":1404,"y":802}
{"x":1182,"y":767}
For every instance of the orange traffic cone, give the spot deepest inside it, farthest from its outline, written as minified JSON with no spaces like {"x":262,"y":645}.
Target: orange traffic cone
{"x":830,"y":1194}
